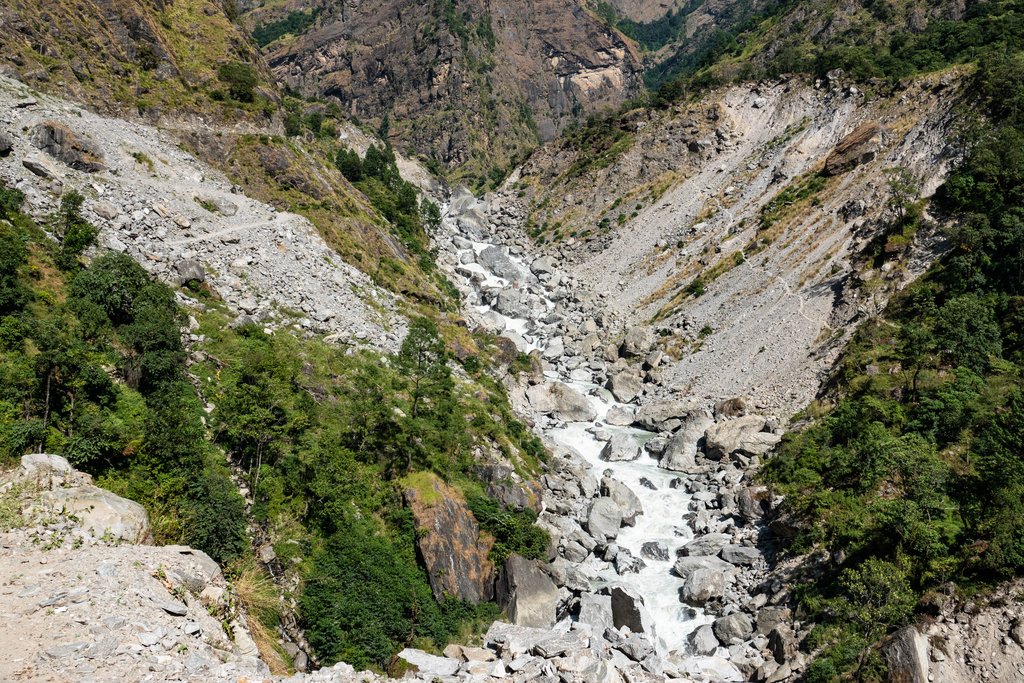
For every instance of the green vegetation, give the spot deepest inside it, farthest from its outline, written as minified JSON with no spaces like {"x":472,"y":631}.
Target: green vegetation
{"x":77,"y":234}
{"x":786,"y":202}
{"x":514,"y":531}
{"x":92,"y":368}
{"x":872,"y":41}
{"x":650,"y":35}
{"x":915,"y":478}
{"x":240,"y":79}
{"x":397,"y":201}
{"x":328,"y":440}
{"x":601,"y":139}
{"x":295,"y":23}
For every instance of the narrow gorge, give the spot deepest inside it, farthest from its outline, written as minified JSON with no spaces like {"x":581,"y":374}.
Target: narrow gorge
{"x":561,"y":341}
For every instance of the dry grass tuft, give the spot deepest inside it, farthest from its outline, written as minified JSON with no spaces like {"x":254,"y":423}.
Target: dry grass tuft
{"x":260,"y":604}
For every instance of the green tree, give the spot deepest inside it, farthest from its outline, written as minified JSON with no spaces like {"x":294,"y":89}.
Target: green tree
{"x":904,"y":190}
{"x":967,"y":333}
{"x":1000,"y":488}
{"x":874,"y":596}
{"x":916,"y":351}
{"x":77,"y":234}
{"x":13,"y":256}
{"x":423,"y":359}
{"x":11,"y":201}
{"x":112,"y":282}
{"x":431,"y":214}
{"x":350,"y":165}
{"x":240,"y":78}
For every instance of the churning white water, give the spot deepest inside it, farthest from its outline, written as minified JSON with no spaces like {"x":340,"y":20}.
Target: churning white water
{"x":665,"y":501}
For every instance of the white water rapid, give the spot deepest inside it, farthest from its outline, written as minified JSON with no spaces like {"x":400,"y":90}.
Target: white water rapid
{"x":663,"y":494}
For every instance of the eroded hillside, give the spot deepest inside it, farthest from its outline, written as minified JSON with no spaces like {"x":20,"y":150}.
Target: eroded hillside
{"x":719,"y":223}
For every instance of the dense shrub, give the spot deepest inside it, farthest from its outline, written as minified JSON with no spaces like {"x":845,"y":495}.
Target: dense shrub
{"x":916,"y":477}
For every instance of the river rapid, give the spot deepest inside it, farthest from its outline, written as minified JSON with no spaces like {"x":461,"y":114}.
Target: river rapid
{"x":662,"y":493}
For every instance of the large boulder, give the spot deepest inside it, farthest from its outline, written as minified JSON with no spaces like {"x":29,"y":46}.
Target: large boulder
{"x":753,"y":503}
{"x":859,"y":147}
{"x":628,"y":609}
{"x":619,"y":416}
{"x":666,"y":416}
{"x":41,"y":165}
{"x":596,"y":611}
{"x":769,"y":617}
{"x":604,"y":519}
{"x":684,"y":566}
{"x":527,"y":593}
{"x":513,"y":303}
{"x":734,"y":628}
{"x":625,"y":386}
{"x":428,"y":664}
{"x":627,"y":501}
{"x":740,"y":555}
{"x":539,"y":396}
{"x":449,"y":541}
{"x":102,"y":513}
{"x":189,"y":270}
{"x":45,"y":470}
{"x":73,"y":149}
{"x":701,"y":585}
{"x":655,"y":550}
{"x":5,"y":145}
{"x":496,"y":260}
{"x":732,"y":407}
{"x":638,"y":342}
{"x":568,"y":404}
{"x":708,"y":544}
{"x":620,"y":447}
{"x":703,"y":641}
{"x":743,"y":435}
{"x":681,"y":451}
{"x":906,"y":654}
{"x":513,"y":641}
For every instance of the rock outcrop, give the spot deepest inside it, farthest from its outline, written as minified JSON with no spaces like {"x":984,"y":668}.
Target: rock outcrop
{"x":449,"y":543}
{"x":82,"y":601}
{"x":76,"y":151}
{"x":547,"y":63}
{"x":526,"y":593}
{"x":182,"y":212}
{"x":100,"y":512}
{"x":859,"y":147}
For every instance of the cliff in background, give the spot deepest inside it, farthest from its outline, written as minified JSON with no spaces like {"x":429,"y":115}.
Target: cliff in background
{"x":472,"y":85}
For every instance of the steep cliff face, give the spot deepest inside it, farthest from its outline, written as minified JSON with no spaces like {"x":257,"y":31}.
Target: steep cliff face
{"x":646,"y":11}
{"x":474,"y":85}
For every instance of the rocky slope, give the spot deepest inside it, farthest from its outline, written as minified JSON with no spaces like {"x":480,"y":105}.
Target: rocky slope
{"x":733,"y":193}
{"x":472,"y":84}
{"x":184,"y":221}
{"x":83,"y":600}
{"x":646,"y":11}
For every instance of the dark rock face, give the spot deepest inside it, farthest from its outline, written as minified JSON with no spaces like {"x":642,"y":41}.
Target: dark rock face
{"x":859,"y":147}
{"x":527,"y":593}
{"x":486,"y":79}
{"x":450,"y":544}
{"x":74,"y":150}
